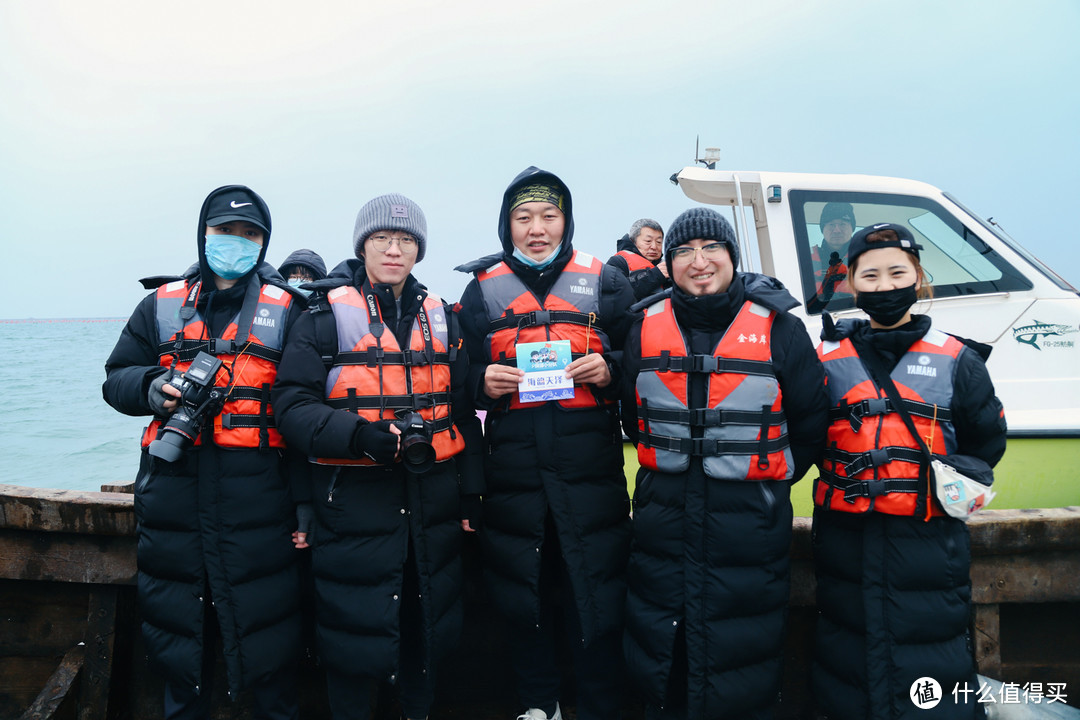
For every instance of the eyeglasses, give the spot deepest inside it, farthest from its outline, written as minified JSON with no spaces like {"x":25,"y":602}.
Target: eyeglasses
{"x":407,"y":244}
{"x":688,"y":254}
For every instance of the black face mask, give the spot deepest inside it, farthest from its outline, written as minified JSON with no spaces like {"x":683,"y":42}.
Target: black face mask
{"x":887,"y":306}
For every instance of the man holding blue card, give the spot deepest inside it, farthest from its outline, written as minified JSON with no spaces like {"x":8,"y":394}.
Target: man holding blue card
{"x":556,"y":511}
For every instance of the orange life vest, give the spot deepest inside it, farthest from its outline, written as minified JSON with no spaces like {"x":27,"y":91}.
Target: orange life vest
{"x":872,"y":463}
{"x":571,"y":311}
{"x":634,"y":261}
{"x":246,"y":420}
{"x":376,"y":379}
{"x":741,"y":433}
{"x":820,"y":273}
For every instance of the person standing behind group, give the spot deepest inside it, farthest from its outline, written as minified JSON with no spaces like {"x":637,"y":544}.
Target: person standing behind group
{"x":724,"y":400}
{"x":556,"y":511}
{"x":215,"y":512}
{"x":639,"y":257}
{"x":301,"y":267}
{"x":893,"y":589}
{"x":377,"y":352}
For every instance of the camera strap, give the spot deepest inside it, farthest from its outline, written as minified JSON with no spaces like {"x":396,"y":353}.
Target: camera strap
{"x":376,"y":326}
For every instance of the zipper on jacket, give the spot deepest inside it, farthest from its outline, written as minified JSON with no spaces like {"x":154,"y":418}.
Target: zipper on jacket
{"x":333,"y":485}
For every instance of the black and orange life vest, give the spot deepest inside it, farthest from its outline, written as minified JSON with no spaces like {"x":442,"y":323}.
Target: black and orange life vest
{"x":872,"y":463}
{"x":822,"y":270}
{"x":634,"y":261}
{"x":571,"y":311}
{"x":741,"y":433}
{"x":375,"y":378}
{"x":250,"y":346}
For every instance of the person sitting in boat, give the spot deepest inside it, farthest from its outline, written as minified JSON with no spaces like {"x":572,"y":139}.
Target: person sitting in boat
{"x":215,"y":561}
{"x":301,"y":267}
{"x":837,"y":223}
{"x":893,"y":591}
{"x":375,"y":357}
{"x":723,"y":398}
{"x":639,"y":257}
{"x":556,"y":511}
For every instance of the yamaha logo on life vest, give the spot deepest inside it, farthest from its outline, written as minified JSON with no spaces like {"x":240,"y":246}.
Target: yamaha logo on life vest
{"x":922,"y":368}
{"x":582,"y":288}
{"x":264,"y":319}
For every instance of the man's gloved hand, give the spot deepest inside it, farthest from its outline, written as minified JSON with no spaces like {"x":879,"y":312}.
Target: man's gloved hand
{"x":162,"y":402}
{"x":472,"y":513}
{"x":304,"y":534}
{"x":378,"y":441}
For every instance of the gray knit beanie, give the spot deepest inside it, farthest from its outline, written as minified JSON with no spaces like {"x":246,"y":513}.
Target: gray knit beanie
{"x":391,"y":212}
{"x":701,"y":224}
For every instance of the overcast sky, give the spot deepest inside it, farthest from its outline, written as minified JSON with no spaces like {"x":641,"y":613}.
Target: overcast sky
{"x":117,"y":118}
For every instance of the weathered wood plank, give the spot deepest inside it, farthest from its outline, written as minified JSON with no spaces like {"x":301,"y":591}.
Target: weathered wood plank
{"x":988,"y":640}
{"x":62,"y":557}
{"x":97,"y":668}
{"x":1026,"y":578}
{"x":40,"y":619}
{"x":70,"y":511}
{"x":49,"y":699}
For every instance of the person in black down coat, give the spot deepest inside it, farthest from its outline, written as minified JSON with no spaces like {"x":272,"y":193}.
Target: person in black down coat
{"x":893,"y":589}
{"x":556,"y":511}
{"x":215,"y":559}
{"x":640,"y":257}
{"x":723,"y":401}
{"x":376,"y":349}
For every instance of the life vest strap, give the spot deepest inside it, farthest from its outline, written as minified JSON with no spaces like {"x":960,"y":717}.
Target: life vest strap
{"x":855,"y":463}
{"x":855,"y":412}
{"x":375,"y":356}
{"x":853,"y":489}
{"x":708,"y":417}
{"x":708,"y":447}
{"x":706,"y":364}
{"x":540,"y":317}
{"x":186,"y":349}
{"x":232,"y":421}
{"x":418,"y":401}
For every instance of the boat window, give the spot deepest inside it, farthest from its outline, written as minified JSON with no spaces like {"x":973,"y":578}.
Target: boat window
{"x":956,"y":260}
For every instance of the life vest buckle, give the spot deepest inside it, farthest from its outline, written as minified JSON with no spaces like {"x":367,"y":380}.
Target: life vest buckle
{"x":540,"y":317}
{"x":879,"y":457}
{"x":703,"y":364}
{"x":217,"y":346}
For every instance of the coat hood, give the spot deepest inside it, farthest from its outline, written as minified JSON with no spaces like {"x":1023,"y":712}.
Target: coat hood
{"x":200,"y":233}
{"x":625,"y":243}
{"x":309,"y":259}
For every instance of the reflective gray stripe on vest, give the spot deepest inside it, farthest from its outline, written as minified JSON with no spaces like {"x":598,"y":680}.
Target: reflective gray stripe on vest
{"x":582,"y":290}
{"x":267,"y":326}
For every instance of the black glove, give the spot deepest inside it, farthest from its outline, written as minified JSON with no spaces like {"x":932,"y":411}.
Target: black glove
{"x":472,"y":509}
{"x":375,"y":441}
{"x":156,"y":396}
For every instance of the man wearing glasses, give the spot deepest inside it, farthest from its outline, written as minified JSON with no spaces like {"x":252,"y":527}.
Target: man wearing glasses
{"x":374,"y":393}
{"x":724,"y":398}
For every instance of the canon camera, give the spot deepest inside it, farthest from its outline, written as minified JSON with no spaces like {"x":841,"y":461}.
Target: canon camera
{"x":416,"y":450}
{"x":199,"y":400}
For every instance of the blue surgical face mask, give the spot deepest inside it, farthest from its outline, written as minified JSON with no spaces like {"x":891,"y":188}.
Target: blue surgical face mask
{"x":230,"y":256}
{"x":297,"y":282}
{"x":537,"y":264}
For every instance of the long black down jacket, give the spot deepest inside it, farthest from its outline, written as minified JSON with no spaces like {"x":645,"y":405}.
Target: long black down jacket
{"x":708,"y":580}
{"x":367,"y":516}
{"x":545,"y":459}
{"x":216,"y":524}
{"x":893,"y":592}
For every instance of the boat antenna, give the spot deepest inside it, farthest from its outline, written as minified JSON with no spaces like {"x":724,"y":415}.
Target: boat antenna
{"x":712,"y":155}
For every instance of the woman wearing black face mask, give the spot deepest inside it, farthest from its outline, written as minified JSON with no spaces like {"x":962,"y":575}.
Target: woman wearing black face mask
{"x":893,"y":591}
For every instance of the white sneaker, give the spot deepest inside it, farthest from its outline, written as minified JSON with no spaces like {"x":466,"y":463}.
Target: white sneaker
{"x":538,"y":714}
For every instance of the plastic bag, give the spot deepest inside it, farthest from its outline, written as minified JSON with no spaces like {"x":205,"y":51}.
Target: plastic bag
{"x":962,"y":484}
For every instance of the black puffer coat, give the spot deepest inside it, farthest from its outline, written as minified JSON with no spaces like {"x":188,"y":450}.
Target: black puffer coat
{"x":893,"y":592}
{"x":709,"y":556}
{"x":368,"y":516}
{"x":545,"y":459}
{"x":218,"y":520}
{"x":644,"y":282}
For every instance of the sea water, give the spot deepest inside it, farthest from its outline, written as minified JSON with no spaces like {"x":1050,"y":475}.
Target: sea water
{"x":56,"y":431}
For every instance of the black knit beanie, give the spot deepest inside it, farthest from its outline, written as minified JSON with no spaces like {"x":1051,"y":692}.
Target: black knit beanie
{"x":701,"y":224}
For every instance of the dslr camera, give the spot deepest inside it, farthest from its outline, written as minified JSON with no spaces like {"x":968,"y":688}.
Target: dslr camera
{"x":416,"y":450}
{"x":199,"y":400}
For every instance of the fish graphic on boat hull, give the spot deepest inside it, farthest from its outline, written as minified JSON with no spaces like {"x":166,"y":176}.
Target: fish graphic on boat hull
{"x":1030,"y":334}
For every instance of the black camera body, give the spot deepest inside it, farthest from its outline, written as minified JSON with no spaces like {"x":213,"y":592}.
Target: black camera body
{"x":416,"y":450}
{"x":199,"y":400}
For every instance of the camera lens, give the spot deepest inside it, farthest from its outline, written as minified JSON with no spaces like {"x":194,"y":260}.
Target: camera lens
{"x":417,"y":453}
{"x":169,"y":447}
